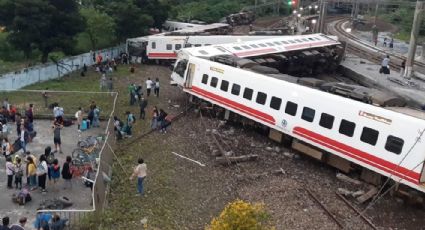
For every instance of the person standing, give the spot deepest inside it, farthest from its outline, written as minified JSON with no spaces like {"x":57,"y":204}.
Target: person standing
{"x":140,"y":171}
{"x":9,"y":172}
{"x":57,"y":136}
{"x":42,"y":173}
{"x":66,"y":172}
{"x":6,"y":147}
{"x":110,"y":85}
{"x":45,"y":96}
{"x":55,"y":172}
{"x":29,"y":114}
{"x":149,"y":83}
{"x":156,"y":89}
{"x":21,"y":225}
{"x":385,"y":68}
{"x":23,"y":138}
{"x":403,"y":68}
{"x":96,"y":116}
{"x":79,"y":117}
{"x":155,"y":114}
{"x":143,"y":104}
{"x":391,"y":43}
{"x":19,"y":173}
{"x":132,"y":93}
{"x":385,"y":42}
{"x":18,"y":124}
{"x":130,"y":122}
{"x":31,"y":173}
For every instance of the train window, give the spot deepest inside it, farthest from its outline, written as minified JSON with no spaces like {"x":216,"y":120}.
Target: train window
{"x":277,"y":43}
{"x":369,"y":136}
{"x":198,"y":45}
{"x":153,"y":45}
{"x":298,"y":40}
{"x":214,"y":82}
{"x":285,"y":42}
{"x":169,"y":47}
{"x":292,"y":41}
{"x":269,"y":43}
{"x":236,"y":89}
{"x":275,"y":103}
{"x":207,"y":44}
{"x":311,"y":39}
{"x":187,"y":45}
{"x":247,"y":93}
{"x":224,"y":85}
{"x":177,"y":46}
{"x":246,"y":47}
{"x":291,"y":108}
{"x":237,"y":48}
{"x":205,"y":78}
{"x":305,"y":39}
{"x":254,"y":46}
{"x":347,"y":128}
{"x":326,"y":121}
{"x":317,"y":39}
{"x":394,"y":144}
{"x":308,"y":114}
{"x":203,"y":52}
{"x":261,"y":98}
{"x":262,"y":45}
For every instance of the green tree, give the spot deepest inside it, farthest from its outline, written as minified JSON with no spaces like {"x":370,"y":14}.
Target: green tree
{"x":100,"y":27}
{"x":46,"y":25}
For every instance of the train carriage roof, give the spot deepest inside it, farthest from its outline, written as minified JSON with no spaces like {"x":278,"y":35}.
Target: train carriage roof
{"x":265,"y":46}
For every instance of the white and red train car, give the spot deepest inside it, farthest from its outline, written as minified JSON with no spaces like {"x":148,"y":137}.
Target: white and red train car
{"x":387,"y":141}
{"x":161,"y":47}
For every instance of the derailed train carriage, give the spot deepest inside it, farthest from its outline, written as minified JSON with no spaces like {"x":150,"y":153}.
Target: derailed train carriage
{"x":345,"y":133}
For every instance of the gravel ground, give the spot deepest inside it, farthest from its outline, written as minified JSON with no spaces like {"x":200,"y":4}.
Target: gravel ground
{"x":185,"y":195}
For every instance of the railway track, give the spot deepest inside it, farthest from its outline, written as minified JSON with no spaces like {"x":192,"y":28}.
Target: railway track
{"x":341,"y":211}
{"x":368,"y":51}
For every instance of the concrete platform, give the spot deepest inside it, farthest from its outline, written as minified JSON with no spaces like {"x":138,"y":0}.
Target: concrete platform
{"x":368,"y":73}
{"x":80,"y":194}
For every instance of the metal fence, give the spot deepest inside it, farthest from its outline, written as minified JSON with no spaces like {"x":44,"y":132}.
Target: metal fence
{"x":39,"y":73}
{"x":78,"y":219}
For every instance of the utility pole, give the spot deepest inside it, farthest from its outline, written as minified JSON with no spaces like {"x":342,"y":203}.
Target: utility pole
{"x":376,"y":12}
{"x":413,"y":39}
{"x":322,"y":15}
{"x":255,"y":8}
{"x":356,"y":11}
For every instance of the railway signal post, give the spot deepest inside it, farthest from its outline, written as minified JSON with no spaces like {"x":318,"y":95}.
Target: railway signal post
{"x":413,"y":39}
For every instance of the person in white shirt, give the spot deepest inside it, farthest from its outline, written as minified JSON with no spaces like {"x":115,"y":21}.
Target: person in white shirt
{"x":149,"y":84}
{"x":10,"y":169}
{"x":5,"y":147}
{"x":140,"y":171}
{"x":22,"y":138}
{"x":385,"y":65}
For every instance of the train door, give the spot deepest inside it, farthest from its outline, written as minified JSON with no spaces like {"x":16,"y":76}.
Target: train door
{"x":189,"y":76}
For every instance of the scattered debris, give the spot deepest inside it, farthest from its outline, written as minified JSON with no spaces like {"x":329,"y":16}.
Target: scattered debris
{"x":347,"y":179}
{"x":369,"y":194}
{"x":197,"y":162}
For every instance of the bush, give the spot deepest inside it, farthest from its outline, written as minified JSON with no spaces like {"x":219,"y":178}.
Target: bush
{"x":241,"y":215}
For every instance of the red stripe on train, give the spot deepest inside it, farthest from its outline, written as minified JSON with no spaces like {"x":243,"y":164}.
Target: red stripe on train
{"x":308,"y":45}
{"x":354,"y":153}
{"x":242,"y":108}
{"x":255,"y":52}
{"x":172,"y":55}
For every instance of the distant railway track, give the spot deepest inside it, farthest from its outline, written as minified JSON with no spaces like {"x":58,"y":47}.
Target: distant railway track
{"x":368,"y":51}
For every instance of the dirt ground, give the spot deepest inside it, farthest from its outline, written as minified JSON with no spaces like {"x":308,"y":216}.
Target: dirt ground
{"x":181,"y":194}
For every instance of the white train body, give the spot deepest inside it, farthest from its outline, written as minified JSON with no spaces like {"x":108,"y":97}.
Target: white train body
{"x":174,"y":25}
{"x":376,"y":138}
{"x":166,"y":47}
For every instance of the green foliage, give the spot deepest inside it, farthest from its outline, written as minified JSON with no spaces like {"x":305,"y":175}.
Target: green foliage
{"x":243,"y":216}
{"x":100,"y":29}
{"x":208,"y":10}
{"x":46,"y":25}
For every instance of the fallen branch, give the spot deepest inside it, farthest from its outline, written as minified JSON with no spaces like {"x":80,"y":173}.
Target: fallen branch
{"x":226,"y":160}
{"x":187,"y":158}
